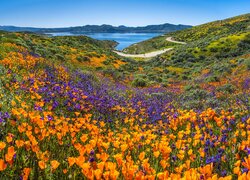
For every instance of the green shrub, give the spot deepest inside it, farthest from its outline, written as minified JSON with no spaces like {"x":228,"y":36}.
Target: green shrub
{"x":228,"y":88}
{"x":213,"y":78}
{"x":60,"y":57}
{"x":213,"y":50}
{"x":191,"y":87}
{"x":247,"y":62}
{"x":195,"y":98}
{"x":139,"y":82}
{"x":83,"y":59}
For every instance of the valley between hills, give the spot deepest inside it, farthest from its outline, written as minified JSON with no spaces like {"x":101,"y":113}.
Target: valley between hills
{"x":175,"y":106}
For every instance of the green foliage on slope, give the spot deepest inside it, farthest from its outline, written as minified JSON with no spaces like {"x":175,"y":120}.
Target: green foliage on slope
{"x":50,"y":46}
{"x":207,"y":31}
{"x":209,"y":47}
{"x":153,"y":44}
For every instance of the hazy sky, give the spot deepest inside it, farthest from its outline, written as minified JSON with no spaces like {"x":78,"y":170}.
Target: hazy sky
{"x":62,"y":13}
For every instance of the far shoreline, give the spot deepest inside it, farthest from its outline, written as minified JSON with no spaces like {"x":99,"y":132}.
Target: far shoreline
{"x":124,"y":40}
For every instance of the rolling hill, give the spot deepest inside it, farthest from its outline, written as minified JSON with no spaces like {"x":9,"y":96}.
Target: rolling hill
{"x":162,"y":28}
{"x":205,"y":31}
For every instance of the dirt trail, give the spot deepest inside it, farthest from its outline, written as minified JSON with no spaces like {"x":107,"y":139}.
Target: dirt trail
{"x":146,"y":55}
{"x":151,"y":54}
{"x":170,"y":39}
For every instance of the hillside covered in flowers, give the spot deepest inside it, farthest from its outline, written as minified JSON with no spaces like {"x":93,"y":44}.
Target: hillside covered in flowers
{"x":70,"y":108}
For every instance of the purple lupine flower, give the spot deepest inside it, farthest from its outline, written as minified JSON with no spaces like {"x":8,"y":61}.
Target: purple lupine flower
{"x":248,"y":150}
{"x":224,"y":173}
{"x":174,"y":158}
{"x":50,"y":118}
{"x":206,"y":149}
{"x":92,"y":152}
{"x":91,"y":159}
{"x":209,"y":160}
{"x":1,"y":120}
{"x":244,"y":170}
{"x":6,"y":115}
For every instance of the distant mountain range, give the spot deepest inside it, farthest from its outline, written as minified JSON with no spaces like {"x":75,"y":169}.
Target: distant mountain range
{"x":162,"y":28}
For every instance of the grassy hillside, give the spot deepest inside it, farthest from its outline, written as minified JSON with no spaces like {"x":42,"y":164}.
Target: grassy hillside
{"x":154,"y":44}
{"x":53,"y":47}
{"x":203,"y":51}
{"x":207,"y":31}
{"x":80,"y":51}
{"x":72,"y":109}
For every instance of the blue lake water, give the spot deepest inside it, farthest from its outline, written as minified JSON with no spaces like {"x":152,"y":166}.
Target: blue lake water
{"x":124,"y":39}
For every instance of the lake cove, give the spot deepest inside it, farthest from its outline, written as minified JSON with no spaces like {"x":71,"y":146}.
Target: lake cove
{"x":124,"y":39}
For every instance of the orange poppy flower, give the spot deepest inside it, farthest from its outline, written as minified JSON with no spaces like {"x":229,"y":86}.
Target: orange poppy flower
{"x":65,"y":171}
{"x":54,"y":164}
{"x":207,"y":170}
{"x":102,"y":124}
{"x":236,"y":170}
{"x":104,"y":157}
{"x":71,"y":161}
{"x":246,"y":164}
{"x":21,"y":129}
{"x":181,"y":154}
{"x":101,"y":165}
{"x":98,"y":174}
{"x":2,"y":165}
{"x":142,"y":155}
{"x":2,"y":145}
{"x":10,"y":153}
{"x":163,"y":163}
{"x":124,"y":147}
{"x":13,"y":103}
{"x":84,"y":138}
{"x":237,"y":163}
{"x":114,"y":174}
{"x":163,"y":175}
{"x":118,"y":158}
{"x":19,"y":143}
{"x":80,"y":161}
{"x":244,"y":176}
{"x":105,"y":145}
{"x":167,"y":150}
{"x":77,"y":113}
{"x":190,"y":152}
{"x":156,"y":154}
{"x":26,"y":172}
{"x":42,"y":164}
{"x":9,"y":138}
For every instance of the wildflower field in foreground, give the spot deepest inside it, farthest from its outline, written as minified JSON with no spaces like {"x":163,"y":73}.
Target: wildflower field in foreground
{"x":70,"y":108}
{"x":62,"y":124}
